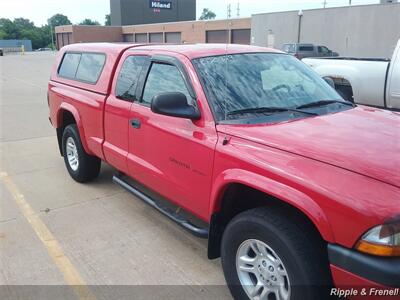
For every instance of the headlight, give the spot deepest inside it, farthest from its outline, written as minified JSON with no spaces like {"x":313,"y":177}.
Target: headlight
{"x":382,"y":240}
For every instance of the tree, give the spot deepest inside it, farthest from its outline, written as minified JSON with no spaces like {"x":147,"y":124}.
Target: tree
{"x":22,"y":23}
{"x":9,"y":28}
{"x":34,"y":35}
{"x":207,"y":14}
{"x":108,"y":20}
{"x":58,"y":20}
{"x":3,"y":34}
{"x":21,"y":29}
{"x":89,"y":22}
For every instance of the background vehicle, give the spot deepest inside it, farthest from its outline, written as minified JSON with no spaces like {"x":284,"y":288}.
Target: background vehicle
{"x":270,"y":172}
{"x":1,"y":52}
{"x":374,"y":82}
{"x":307,"y":50}
{"x":43,"y":49}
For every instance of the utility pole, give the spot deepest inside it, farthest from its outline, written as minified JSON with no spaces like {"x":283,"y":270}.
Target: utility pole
{"x":238,"y":10}
{"x":300,"y":14}
{"x":229,"y":11}
{"x":52,"y":37}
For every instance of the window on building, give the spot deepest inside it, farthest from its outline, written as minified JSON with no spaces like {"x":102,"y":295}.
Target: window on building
{"x":141,"y":37}
{"x":164,"y":78}
{"x":129,"y":76}
{"x":173,"y":37}
{"x":128,"y":38}
{"x":156,"y":37}
{"x":240,"y":36}
{"x":217,"y":36}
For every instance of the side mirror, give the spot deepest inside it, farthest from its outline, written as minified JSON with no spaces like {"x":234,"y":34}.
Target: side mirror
{"x":174,"y":105}
{"x":330,"y":82}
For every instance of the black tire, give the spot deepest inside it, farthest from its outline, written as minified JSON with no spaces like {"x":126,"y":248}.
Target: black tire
{"x":303,"y":253}
{"x":346,"y":93}
{"x":89,"y":166}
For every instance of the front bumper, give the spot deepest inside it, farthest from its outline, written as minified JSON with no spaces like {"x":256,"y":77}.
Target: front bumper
{"x":383,"y":271}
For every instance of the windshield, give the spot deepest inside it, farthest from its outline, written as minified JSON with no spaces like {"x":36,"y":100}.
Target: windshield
{"x":259,"y":80}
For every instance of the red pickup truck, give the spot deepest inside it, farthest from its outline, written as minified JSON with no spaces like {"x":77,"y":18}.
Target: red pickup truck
{"x":296,"y":189}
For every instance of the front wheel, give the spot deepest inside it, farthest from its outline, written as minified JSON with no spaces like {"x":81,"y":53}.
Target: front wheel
{"x":266,"y":256}
{"x":81,"y":166}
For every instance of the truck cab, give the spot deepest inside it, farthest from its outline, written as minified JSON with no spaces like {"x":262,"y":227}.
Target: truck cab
{"x":308,"y":50}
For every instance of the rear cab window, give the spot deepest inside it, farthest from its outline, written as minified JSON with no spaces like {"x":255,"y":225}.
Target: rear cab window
{"x":306,"y":48}
{"x":129,"y":76}
{"x":82,"y":66}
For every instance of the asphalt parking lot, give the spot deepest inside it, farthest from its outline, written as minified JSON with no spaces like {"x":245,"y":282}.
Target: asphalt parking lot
{"x":62,"y":239}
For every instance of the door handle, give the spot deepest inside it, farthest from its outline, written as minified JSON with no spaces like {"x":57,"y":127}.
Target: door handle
{"x":135,"y":123}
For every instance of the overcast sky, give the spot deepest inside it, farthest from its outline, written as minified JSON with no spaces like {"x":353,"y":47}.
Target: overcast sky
{"x":40,"y":10}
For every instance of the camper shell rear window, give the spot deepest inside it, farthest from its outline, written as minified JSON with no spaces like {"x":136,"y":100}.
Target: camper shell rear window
{"x":82,"y":66}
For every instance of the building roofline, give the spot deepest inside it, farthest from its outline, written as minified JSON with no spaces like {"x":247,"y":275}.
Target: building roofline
{"x":326,"y":8}
{"x":188,"y":22}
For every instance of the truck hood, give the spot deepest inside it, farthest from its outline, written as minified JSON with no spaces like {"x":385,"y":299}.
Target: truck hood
{"x":362,"y":140}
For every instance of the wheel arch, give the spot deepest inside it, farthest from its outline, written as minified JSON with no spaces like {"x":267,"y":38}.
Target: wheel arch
{"x":67,"y":115}
{"x":227,"y":203}
{"x":345,"y":74}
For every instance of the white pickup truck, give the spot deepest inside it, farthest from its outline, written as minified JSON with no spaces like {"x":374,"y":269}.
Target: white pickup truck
{"x":374,"y":82}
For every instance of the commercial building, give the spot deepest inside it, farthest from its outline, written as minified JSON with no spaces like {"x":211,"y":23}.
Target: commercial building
{"x":220,"y":31}
{"x":133,"y":12}
{"x":361,"y":31}
{"x":232,"y":31}
{"x":70,"y":34}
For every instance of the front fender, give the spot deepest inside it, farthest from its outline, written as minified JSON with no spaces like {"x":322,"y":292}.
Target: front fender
{"x":273,"y":188}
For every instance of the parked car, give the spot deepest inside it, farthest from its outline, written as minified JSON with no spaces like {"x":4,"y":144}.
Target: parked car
{"x":43,"y":49}
{"x":308,"y":50}
{"x":1,"y":52}
{"x":374,"y":82}
{"x":295,"y":188}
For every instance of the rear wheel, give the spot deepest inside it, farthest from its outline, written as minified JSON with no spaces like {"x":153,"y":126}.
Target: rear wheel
{"x":266,"y":256}
{"x":81,"y":166}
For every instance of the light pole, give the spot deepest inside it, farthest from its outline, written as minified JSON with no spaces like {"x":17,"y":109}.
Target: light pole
{"x":300,"y":14}
{"x":52,"y":37}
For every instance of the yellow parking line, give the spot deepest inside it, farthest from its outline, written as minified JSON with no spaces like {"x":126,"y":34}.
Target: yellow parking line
{"x":69,"y":272}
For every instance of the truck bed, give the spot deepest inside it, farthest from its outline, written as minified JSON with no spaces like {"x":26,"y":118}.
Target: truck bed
{"x":366,"y":77}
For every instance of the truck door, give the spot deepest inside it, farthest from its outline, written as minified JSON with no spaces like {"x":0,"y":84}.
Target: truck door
{"x":169,"y":155}
{"x":117,"y":110}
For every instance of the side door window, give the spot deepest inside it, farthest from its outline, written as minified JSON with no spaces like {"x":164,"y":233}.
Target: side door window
{"x":164,"y":78}
{"x":128,"y":77}
{"x":323,"y":50}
